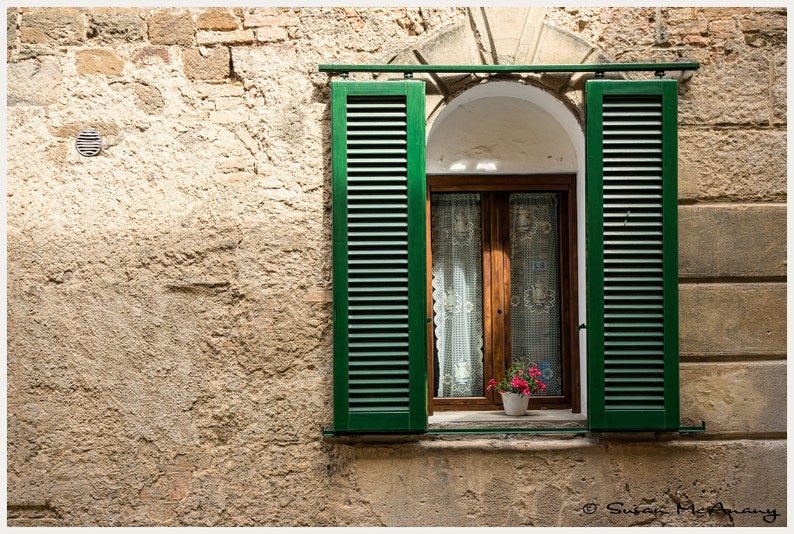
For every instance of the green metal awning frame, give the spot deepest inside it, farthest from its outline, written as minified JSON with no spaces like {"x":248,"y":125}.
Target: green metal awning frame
{"x":599,"y":69}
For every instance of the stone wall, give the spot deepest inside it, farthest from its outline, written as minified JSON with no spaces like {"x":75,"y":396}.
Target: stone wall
{"x":169,"y":317}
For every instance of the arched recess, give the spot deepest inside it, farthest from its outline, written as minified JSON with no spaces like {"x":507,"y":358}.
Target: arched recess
{"x":508,"y":127}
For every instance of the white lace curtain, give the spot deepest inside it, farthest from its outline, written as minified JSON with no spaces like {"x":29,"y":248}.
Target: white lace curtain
{"x":534,"y":285}
{"x":457,"y":294}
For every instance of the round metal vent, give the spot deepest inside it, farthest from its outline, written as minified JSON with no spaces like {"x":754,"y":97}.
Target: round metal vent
{"x":88,"y":142}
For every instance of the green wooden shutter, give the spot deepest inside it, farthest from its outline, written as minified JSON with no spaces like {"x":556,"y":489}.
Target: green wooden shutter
{"x":380,"y":362}
{"x":632,"y":255}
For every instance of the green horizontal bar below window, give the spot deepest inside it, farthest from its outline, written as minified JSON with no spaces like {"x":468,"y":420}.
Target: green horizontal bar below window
{"x":441,"y":431}
{"x":470,"y":69}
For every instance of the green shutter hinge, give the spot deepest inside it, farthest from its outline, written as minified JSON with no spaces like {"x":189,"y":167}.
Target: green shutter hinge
{"x":581,"y":327}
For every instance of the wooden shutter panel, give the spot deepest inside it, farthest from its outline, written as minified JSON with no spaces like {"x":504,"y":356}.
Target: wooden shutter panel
{"x":380,"y":367}
{"x":632,"y":255}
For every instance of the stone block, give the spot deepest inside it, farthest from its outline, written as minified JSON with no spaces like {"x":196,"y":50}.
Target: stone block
{"x":148,"y":98}
{"x":11,"y":28}
{"x":271,"y":34}
{"x":732,"y":241}
{"x":732,"y":319}
{"x":437,"y":50}
{"x":108,"y":25}
{"x":712,"y":13}
{"x":747,"y":398}
{"x":506,"y":28}
{"x":171,"y":27}
{"x":151,"y":55}
{"x":546,"y":482}
{"x":98,"y":61}
{"x":779,"y":90}
{"x":217,"y":20}
{"x":211,"y":65}
{"x":60,"y":26}
{"x":733,"y":164}
{"x":529,"y":36}
{"x":256,"y":20}
{"x":722,"y":26}
{"x":558,"y":46}
{"x":746,"y":101}
{"x":678,"y":15}
{"x":210,"y":38}
{"x":250,"y":143}
{"x":36,"y":82}
{"x":761,"y":23}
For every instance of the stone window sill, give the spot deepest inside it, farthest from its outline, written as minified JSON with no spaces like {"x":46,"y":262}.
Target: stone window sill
{"x":497,"y":420}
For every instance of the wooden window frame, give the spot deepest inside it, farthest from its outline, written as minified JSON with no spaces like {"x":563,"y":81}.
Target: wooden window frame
{"x":496,"y":263}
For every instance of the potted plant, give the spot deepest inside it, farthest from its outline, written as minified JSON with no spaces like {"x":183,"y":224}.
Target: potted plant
{"x":516,"y":387}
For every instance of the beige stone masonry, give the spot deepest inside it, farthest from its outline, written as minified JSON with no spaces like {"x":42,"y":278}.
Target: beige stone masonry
{"x":744,"y":101}
{"x":747,"y":166}
{"x":732,"y":319}
{"x":111,"y":25}
{"x":151,"y":55}
{"x":217,"y":20}
{"x":210,"y":64}
{"x":99,"y":61}
{"x":271,"y":34}
{"x":732,"y":240}
{"x":742,"y":398}
{"x":209,"y":38}
{"x":544,"y":481}
{"x":171,"y":27}
{"x":34,"y":82}
{"x":62,"y":26}
{"x":256,"y":20}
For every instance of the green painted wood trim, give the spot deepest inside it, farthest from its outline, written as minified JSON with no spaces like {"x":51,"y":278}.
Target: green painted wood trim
{"x":339,"y":251}
{"x":463,"y":69}
{"x":669,"y":90}
{"x":417,"y":252}
{"x":594,"y":252}
{"x":599,"y":417}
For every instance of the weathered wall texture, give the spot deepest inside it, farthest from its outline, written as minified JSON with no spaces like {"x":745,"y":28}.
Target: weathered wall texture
{"x":169,"y":347}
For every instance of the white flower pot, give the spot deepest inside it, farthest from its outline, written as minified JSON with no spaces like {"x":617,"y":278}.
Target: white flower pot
{"x":514,"y":403}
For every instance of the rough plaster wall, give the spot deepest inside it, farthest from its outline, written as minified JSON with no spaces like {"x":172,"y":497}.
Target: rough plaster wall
{"x":169,"y":350}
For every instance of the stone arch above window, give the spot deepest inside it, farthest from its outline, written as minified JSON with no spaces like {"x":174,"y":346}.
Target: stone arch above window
{"x":504,"y":36}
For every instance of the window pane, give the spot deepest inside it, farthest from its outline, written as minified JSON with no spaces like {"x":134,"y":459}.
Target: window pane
{"x":535,"y":285}
{"x":457,"y":294}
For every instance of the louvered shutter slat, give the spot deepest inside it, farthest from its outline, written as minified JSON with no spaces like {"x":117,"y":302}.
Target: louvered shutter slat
{"x":632,"y":255}
{"x":379,"y":335}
